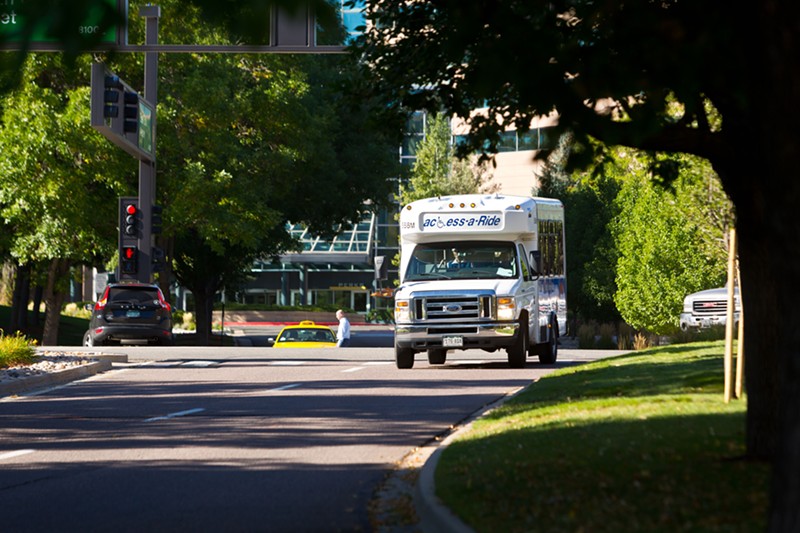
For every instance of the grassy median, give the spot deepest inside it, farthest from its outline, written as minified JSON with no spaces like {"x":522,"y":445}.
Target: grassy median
{"x":638,"y":443}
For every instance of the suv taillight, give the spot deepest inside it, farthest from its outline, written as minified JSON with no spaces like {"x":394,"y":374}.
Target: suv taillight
{"x":101,"y":303}
{"x":163,"y":302}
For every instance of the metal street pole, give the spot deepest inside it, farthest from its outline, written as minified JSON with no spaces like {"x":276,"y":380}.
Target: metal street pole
{"x":147,"y":169}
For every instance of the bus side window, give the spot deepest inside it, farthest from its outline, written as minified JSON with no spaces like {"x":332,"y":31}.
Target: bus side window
{"x":527,"y":273}
{"x":536,"y":259}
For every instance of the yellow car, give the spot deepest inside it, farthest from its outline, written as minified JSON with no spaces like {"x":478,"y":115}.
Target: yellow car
{"x":306,"y":334}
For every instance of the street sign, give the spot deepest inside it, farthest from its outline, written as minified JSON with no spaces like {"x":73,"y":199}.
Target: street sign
{"x":86,"y":20}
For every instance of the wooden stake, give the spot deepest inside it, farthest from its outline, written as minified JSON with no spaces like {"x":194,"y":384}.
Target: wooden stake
{"x":740,"y":344}
{"x":728,"y":364}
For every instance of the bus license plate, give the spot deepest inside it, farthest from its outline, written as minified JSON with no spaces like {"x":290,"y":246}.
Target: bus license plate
{"x":453,"y":341}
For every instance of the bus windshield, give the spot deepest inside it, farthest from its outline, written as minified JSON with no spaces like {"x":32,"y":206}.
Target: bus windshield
{"x":462,"y":260}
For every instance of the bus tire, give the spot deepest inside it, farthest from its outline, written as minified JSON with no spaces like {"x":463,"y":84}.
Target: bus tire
{"x":519,"y":350}
{"x":437,"y":356}
{"x":548,"y":351}
{"x":404,"y":357}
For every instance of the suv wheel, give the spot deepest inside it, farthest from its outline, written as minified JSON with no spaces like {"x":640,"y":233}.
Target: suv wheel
{"x":87,"y":339}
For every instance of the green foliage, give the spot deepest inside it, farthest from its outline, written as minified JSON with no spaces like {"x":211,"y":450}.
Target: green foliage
{"x":58,"y":181}
{"x":636,"y":246}
{"x":591,"y":252}
{"x":635,"y":443}
{"x":666,"y":250}
{"x":249,"y":143}
{"x":15,"y":350}
{"x":436,"y":171}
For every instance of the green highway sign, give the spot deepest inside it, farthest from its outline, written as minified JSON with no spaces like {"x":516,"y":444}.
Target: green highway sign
{"x":89,"y":24}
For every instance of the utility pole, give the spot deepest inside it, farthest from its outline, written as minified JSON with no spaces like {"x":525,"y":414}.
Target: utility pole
{"x":147,"y":169}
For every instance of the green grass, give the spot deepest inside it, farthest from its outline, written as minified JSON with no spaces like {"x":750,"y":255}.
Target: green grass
{"x":638,"y":443}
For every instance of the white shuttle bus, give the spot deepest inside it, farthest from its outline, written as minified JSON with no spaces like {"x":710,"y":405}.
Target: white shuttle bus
{"x":481,"y":271}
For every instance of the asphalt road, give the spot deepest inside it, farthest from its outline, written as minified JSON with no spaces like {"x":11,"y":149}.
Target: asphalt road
{"x":234,"y":439}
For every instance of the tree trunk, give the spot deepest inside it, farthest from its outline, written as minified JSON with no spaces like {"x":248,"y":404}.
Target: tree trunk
{"x":54,"y":296}
{"x":16,"y":303}
{"x":37,"y":304}
{"x":203,"y":308}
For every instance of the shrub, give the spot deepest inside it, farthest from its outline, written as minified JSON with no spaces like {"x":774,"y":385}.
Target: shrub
{"x":16,"y":350}
{"x":77,"y":309}
{"x":640,"y":341}
{"x":606,"y":337}
{"x":625,"y":337}
{"x":586,"y":335}
{"x":385,"y":316}
{"x":184,"y":320}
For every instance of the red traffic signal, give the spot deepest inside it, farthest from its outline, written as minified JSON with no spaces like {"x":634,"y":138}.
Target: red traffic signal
{"x":131,"y":226}
{"x":128,"y":260}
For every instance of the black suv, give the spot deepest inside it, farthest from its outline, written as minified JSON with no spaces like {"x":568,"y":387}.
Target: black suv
{"x":130,"y":312}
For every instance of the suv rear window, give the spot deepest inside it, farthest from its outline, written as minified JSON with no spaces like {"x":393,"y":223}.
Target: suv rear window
{"x":132,"y":295}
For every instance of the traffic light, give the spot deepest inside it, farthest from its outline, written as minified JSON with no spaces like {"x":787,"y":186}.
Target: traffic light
{"x":111,"y":90}
{"x":159,"y":259}
{"x":130,"y":219}
{"x":130,"y":231}
{"x":155,"y":219}
{"x":127,"y":260}
{"x":131,"y":124}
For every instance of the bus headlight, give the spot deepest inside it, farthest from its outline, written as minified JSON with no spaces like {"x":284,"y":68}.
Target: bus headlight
{"x":506,"y":308}
{"x":402,"y":311}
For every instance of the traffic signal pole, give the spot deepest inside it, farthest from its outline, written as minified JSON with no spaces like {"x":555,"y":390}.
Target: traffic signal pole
{"x":147,"y":169}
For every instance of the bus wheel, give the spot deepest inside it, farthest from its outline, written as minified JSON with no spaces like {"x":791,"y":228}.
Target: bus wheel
{"x":518,"y":350}
{"x":404,"y":357}
{"x":548,"y":351}
{"x":437,"y":356}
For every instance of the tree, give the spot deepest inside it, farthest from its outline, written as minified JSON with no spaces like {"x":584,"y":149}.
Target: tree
{"x":274,"y":139}
{"x":665,"y":250}
{"x":437,"y":171}
{"x":57,"y":183}
{"x":611,"y":70}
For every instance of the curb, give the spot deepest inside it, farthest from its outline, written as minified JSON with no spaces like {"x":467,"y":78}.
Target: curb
{"x":53,"y":379}
{"x":434,"y":515}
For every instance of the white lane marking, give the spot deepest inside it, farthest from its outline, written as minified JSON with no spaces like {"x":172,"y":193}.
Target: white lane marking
{"x":354,"y":369}
{"x":16,"y":453}
{"x":175,"y":415}
{"x":200,"y":364}
{"x":285,"y":387}
{"x":288,"y":363}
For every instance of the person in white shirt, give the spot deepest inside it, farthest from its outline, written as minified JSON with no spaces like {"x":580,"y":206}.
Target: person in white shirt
{"x":343,"y":333}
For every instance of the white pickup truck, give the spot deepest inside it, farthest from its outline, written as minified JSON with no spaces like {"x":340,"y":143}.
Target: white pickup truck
{"x":708,"y":308}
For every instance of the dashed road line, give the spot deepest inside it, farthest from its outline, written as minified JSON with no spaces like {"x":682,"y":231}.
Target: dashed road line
{"x":15,"y":453}
{"x":176,"y":415}
{"x":354,"y":369}
{"x":285,"y":387}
